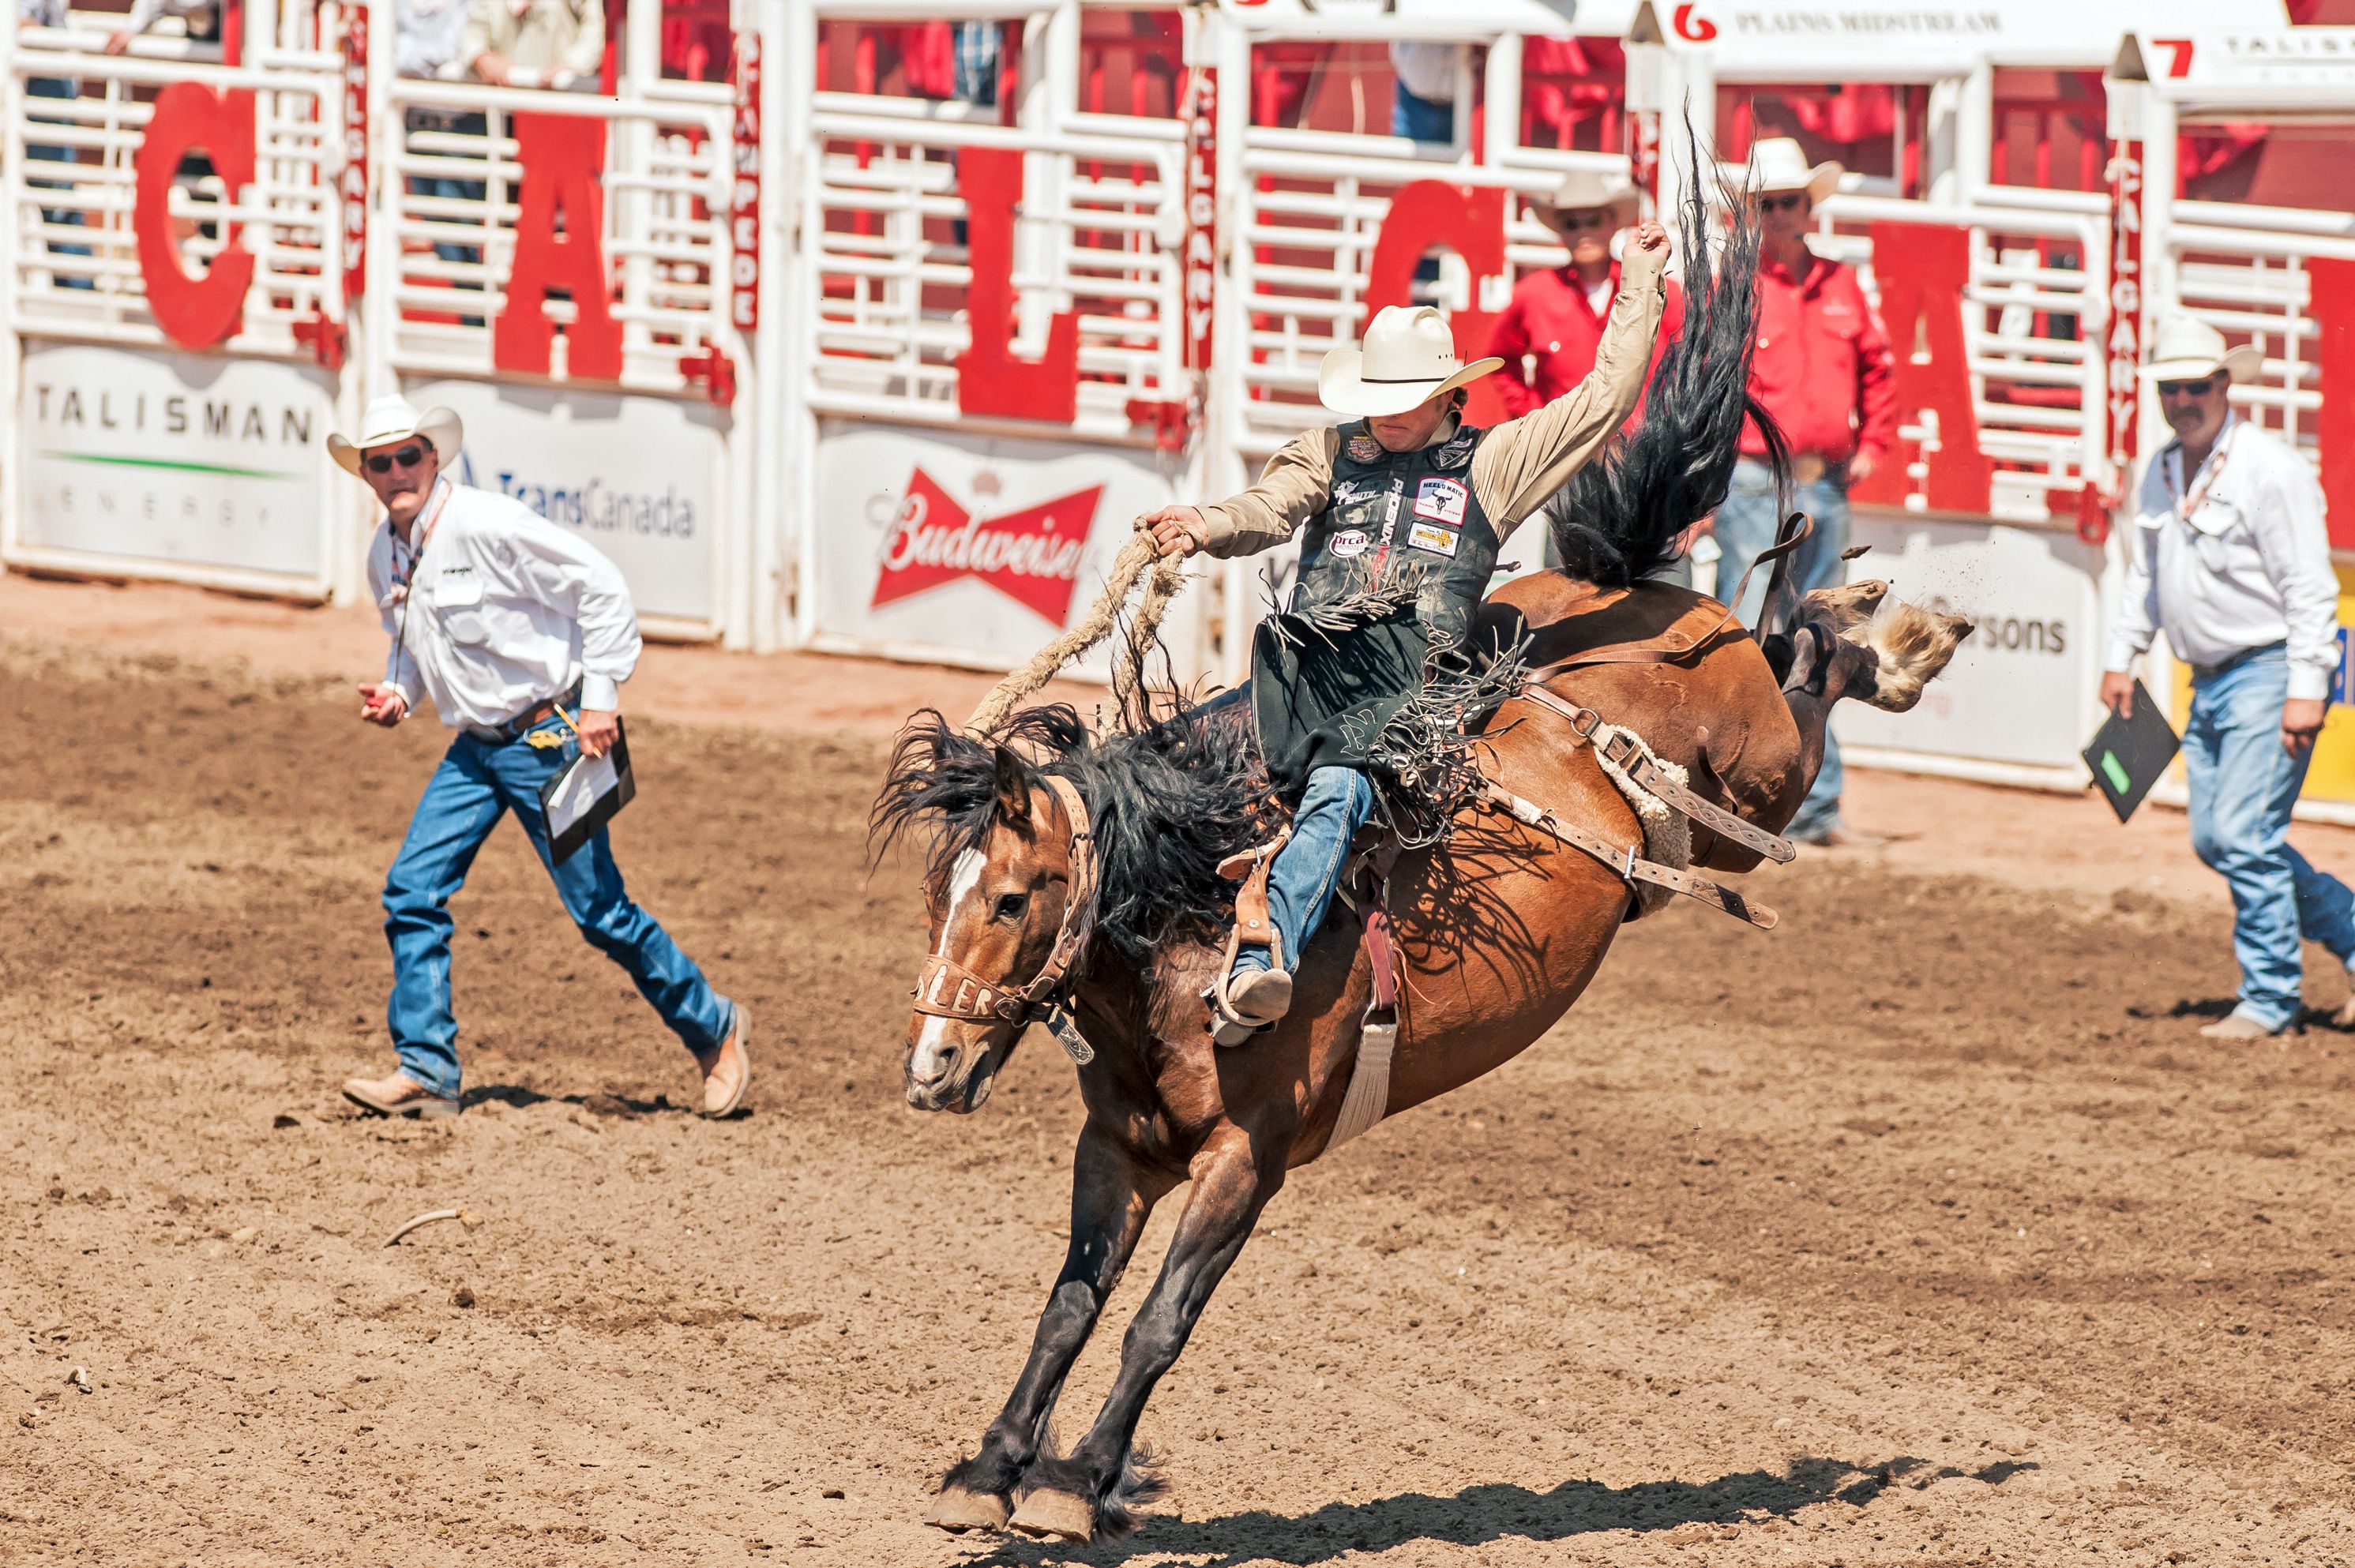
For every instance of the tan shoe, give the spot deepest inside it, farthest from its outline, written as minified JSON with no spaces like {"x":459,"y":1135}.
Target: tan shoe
{"x":2345,"y":1017}
{"x":2237,"y":1026}
{"x":727,"y":1071}
{"x":1260,"y":997}
{"x":399,"y":1095}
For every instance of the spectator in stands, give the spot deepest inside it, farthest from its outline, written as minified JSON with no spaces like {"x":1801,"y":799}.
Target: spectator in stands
{"x":557,"y":44}
{"x":1823,"y":370}
{"x":2230,"y":555}
{"x":1423,"y":104}
{"x":1547,"y":335}
{"x":202,"y":18}
{"x":428,"y":43}
{"x":52,"y":14}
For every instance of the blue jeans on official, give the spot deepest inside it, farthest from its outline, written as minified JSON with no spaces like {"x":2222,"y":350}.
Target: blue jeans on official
{"x":1746,"y":528}
{"x":2243,"y":785}
{"x":478,"y":782}
{"x":1307,"y":869}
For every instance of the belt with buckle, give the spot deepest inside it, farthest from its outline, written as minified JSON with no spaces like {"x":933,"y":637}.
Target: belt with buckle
{"x":513,"y":728}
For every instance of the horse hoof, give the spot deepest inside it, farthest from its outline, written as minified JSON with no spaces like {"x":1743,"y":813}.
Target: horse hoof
{"x":1057,"y":1516}
{"x":957,"y":1510}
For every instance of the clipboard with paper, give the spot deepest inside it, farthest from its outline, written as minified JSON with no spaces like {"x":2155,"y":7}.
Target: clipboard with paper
{"x":2127,"y":756}
{"x":587,"y":793}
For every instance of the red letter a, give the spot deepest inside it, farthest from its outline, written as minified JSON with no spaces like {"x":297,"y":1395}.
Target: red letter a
{"x":562,"y":156}
{"x":1923,"y":272}
{"x":990,"y":380}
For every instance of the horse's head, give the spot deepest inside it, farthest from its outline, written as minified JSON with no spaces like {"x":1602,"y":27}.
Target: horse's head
{"x":1006,"y":890}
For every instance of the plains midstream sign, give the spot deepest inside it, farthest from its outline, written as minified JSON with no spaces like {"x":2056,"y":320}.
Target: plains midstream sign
{"x":640,"y":478}
{"x":189,"y":460}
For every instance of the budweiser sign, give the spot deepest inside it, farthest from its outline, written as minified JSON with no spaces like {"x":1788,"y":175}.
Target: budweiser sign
{"x":1032,"y":556}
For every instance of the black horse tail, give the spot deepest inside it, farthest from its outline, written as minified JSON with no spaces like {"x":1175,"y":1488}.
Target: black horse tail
{"x":1618,"y":519}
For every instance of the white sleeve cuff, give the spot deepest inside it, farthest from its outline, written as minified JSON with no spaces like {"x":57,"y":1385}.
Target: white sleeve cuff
{"x":2123,"y":654}
{"x":600,"y":693}
{"x":2309,"y":682}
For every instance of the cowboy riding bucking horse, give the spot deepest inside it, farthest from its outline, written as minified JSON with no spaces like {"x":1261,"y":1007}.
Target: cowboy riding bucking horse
{"x":1402,"y":512}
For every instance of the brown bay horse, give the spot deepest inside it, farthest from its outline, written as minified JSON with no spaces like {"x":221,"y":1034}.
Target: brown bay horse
{"x":1498,"y":930}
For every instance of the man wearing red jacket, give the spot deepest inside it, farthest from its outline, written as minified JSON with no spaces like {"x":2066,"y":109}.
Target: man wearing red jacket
{"x":1548,"y":335}
{"x":1823,"y":371}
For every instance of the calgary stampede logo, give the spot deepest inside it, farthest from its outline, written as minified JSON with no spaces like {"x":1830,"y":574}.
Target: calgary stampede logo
{"x":1031,"y":555}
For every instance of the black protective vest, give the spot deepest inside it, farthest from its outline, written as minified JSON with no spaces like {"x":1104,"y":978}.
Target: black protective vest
{"x":1390,"y":572}
{"x":1399,"y":522}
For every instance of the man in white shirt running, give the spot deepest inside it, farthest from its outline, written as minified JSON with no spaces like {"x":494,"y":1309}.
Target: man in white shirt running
{"x":2229,"y":555}
{"x":522,"y":634}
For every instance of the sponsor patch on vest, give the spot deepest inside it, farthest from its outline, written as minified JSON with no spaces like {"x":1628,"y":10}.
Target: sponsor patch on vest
{"x":1351,"y":490}
{"x":1432,"y":537}
{"x":1365,"y":448}
{"x":1442,"y":499}
{"x":1348,"y":542}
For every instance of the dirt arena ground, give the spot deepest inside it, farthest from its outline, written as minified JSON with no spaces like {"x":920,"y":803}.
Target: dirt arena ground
{"x":1922,"y":1231}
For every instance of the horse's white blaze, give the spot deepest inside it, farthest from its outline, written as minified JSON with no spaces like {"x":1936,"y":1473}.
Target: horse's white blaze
{"x":933,"y":1038}
{"x":964,"y":877}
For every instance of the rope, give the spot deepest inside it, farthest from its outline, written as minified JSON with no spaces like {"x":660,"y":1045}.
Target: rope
{"x":1134,"y":557}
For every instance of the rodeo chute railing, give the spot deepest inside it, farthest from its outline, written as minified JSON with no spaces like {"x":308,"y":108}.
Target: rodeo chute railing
{"x":878,"y":338}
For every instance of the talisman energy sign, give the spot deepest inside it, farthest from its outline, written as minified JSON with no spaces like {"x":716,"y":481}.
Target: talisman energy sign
{"x":174,"y":457}
{"x":640,"y":478}
{"x":982,"y":547}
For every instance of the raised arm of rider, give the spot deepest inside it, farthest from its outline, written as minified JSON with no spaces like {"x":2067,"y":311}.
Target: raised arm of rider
{"x":1526,"y":460}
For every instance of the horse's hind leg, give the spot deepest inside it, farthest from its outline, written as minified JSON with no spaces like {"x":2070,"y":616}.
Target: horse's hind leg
{"x":1091,"y":1490}
{"x":1110,"y":1198}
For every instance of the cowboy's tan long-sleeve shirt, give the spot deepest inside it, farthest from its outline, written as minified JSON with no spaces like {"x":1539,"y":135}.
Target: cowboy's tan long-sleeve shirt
{"x":1520,"y":463}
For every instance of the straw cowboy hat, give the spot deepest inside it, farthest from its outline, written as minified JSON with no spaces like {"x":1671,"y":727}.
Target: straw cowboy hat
{"x":1584,"y":189}
{"x":1407,"y":358}
{"x":2185,"y":349}
{"x":395,"y":419}
{"x":1777,"y":163}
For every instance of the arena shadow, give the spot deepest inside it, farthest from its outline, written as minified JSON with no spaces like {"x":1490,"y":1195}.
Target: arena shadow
{"x":599,"y":1104}
{"x":1481,"y":1514}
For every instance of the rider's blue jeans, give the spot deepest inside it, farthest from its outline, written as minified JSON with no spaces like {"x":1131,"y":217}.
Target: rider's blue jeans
{"x":2242,"y":784}
{"x":478,"y":782}
{"x":1307,"y":869}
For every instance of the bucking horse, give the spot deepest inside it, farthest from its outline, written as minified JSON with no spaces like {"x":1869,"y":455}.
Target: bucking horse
{"x":1085,"y":878}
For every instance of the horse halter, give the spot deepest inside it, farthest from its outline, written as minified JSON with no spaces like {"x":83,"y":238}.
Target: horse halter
{"x":946,"y":989}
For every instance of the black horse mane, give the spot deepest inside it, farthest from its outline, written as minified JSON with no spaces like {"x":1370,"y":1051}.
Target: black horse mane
{"x":1618,"y":518}
{"x":1167,"y":800}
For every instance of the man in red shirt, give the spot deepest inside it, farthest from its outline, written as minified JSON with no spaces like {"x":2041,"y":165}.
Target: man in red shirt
{"x":1822,"y":370}
{"x":1548,"y":335}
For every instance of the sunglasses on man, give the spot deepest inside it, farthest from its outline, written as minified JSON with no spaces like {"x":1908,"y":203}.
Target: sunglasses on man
{"x":1581,"y":218}
{"x":406,"y":457}
{"x":1787,"y":201}
{"x":2200,"y":388}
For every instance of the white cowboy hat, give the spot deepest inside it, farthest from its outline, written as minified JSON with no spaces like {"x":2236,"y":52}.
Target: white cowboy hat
{"x":1407,"y":358}
{"x":1584,"y":189}
{"x":395,"y":419}
{"x":2183,"y":348}
{"x":1777,"y":163}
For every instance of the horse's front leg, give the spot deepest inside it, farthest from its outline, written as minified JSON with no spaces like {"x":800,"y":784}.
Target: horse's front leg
{"x":1111,"y":1197}
{"x":1094,"y":1488}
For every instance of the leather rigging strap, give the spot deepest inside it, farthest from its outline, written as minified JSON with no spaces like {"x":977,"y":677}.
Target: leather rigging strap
{"x":946,"y":989}
{"x":1631,"y":867}
{"x":1626,"y":755}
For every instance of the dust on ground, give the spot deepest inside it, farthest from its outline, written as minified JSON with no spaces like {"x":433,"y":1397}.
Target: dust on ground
{"x":1922,"y":1231}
